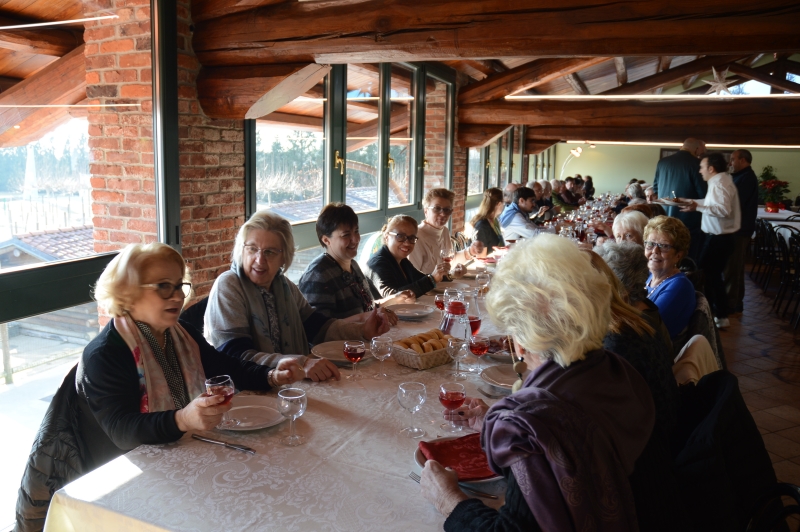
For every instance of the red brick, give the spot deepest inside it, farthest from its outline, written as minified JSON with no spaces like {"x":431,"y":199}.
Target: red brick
{"x":129,"y":185}
{"x":136,"y":91}
{"x":108,"y":223}
{"x":199,"y":213}
{"x":144,"y":226}
{"x":124,"y":211}
{"x":137,"y":59}
{"x":129,"y":238}
{"x":122,"y":157}
{"x":98,"y":234}
{"x":116,"y":46}
{"x":97,"y":182}
{"x":120,"y":76}
{"x":112,"y":197}
{"x":99,"y":34}
{"x":92,"y":78}
{"x":134,"y":28}
{"x":140,"y":198}
{"x":107,"y":143}
{"x":140,"y":145}
{"x":219,"y":199}
{"x":97,"y":62}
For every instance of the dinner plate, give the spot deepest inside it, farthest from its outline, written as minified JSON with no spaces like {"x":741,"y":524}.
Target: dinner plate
{"x":671,"y":203}
{"x":412,"y":312}
{"x":502,"y":376}
{"x":444,"y":285}
{"x":254,"y":412}
{"x":500,"y":356}
{"x":420,"y":460}
{"x":334,"y":351}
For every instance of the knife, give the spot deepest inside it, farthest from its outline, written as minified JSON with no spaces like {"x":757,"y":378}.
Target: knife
{"x":225,"y":444}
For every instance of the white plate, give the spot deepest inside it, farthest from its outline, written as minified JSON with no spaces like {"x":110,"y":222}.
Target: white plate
{"x":412,"y":312}
{"x":500,"y":356}
{"x":254,"y":412}
{"x":420,"y":460}
{"x":334,"y":351}
{"x":671,"y":203}
{"x":502,"y":376}
{"x":444,"y":285}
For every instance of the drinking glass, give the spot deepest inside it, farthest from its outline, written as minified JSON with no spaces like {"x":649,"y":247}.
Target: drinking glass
{"x":483,"y":280}
{"x":381,"y":348}
{"x":438,"y":300}
{"x":447,"y":255}
{"x":456,"y":348}
{"x":452,"y":396}
{"x":223,"y":385}
{"x":479,"y":346}
{"x":411,"y":396}
{"x":292,"y":404}
{"x":354,"y":352}
{"x":451,"y":294}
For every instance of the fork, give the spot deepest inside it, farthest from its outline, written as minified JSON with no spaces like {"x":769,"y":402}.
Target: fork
{"x":413,"y":476}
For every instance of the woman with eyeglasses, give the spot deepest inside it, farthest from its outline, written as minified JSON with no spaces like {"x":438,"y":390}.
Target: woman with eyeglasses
{"x":256,"y":313}
{"x":666,"y":243}
{"x":333,"y":283}
{"x":390,"y":269}
{"x":142,"y":379}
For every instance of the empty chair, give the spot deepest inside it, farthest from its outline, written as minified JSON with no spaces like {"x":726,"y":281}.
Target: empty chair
{"x":695,"y":361}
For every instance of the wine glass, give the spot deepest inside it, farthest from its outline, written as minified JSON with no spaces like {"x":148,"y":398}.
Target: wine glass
{"x":354,"y":352}
{"x":411,"y":396}
{"x":447,"y":255}
{"x":438,"y":300}
{"x":223,"y":385}
{"x":479,"y":346}
{"x":451,"y":395}
{"x":483,"y":280}
{"x":292,"y":404}
{"x":456,"y":348}
{"x":381,"y":348}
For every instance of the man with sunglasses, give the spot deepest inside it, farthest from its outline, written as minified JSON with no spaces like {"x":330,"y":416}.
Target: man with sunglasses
{"x":434,"y":236}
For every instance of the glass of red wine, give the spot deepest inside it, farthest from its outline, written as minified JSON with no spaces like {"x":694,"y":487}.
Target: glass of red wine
{"x":354,"y":352}
{"x":452,"y":396}
{"x":438,"y":300}
{"x":223,"y":385}
{"x":474,"y":324}
{"x":479,"y":346}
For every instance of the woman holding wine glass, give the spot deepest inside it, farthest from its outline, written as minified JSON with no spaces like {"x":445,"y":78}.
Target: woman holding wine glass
{"x":142,"y":379}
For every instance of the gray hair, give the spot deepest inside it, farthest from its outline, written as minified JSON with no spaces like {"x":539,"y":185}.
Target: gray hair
{"x":266,"y":221}
{"x":633,"y":221}
{"x":547,"y":295}
{"x":634,"y":190}
{"x":629,"y":264}
{"x":546,"y":187}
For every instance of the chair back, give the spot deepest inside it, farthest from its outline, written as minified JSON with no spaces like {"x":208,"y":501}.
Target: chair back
{"x":195,"y":315}
{"x":460,"y":241}
{"x":371,"y":246}
{"x":701,"y":323}
{"x":695,"y":360}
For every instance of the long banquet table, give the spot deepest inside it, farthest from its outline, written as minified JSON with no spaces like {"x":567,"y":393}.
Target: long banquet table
{"x":775,"y":216}
{"x":352,"y":473}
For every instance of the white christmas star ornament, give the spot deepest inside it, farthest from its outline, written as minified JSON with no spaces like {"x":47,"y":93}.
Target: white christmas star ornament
{"x":719,"y":84}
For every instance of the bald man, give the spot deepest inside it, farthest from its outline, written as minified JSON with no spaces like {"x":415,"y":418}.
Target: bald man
{"x":680,"y":173}
{"x":508,"y":192}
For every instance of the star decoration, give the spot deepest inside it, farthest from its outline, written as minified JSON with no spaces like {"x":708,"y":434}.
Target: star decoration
{"x":719,"y":84}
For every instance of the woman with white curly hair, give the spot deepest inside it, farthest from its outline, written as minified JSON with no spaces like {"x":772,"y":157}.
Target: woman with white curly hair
{"x":567,"y":439}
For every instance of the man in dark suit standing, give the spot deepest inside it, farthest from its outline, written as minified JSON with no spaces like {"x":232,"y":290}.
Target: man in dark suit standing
{"x":680,"y":173}
{"x":747,"y":184}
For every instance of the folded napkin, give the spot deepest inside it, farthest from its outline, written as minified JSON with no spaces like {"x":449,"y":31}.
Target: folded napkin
{"x":463,"y":455}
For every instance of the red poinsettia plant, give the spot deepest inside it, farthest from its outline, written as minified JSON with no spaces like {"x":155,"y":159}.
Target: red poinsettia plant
{"x":772,"y":189}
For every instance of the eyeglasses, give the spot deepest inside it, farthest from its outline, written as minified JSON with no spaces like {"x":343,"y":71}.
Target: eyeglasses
{"x":166,"y":290}
{"x":268,"y":253}
{"x":662,"y":247}
{"x":440,"y":210}
{"x":400,"y":237}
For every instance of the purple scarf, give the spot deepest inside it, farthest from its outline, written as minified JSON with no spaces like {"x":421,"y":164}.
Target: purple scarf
{"x":571,"y":437}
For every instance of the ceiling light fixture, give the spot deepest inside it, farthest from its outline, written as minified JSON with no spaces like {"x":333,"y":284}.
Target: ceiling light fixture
{"x":68,"y":105}
{"x":654,"y":97}
{"x":678,"y":144}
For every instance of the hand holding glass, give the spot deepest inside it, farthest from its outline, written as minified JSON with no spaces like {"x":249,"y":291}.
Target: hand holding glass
{"x":411,"y":396}
{"x":381,"y":348}
{"x":223,"y":385}
{"x":292,"y":404}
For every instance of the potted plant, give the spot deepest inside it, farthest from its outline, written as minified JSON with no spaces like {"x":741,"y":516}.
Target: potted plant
{"x":772,"y":190}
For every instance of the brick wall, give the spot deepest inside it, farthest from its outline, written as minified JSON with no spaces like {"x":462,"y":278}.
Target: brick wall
{"x":121,"y":138}
{"x":460,"y":170}
{"x":435,"y":130}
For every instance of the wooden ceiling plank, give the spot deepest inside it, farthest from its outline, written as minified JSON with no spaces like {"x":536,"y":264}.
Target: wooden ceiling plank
{"x":663,"y":64}
{"x":54,"y":42}
{"x":208,"y":9}
{"x":577,"y":84}
{"x":782,"y":84}
{"x":524,"y":77}
{"x":7,"y":82}
{"x":622,"y":72}
{"x":673,"y":75}
{"x":399,"y":121}
{"x":478,"y":135}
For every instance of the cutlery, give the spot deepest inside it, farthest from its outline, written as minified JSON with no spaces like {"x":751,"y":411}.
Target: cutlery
{"x":224,"y":444}
{"x":413,"y":476}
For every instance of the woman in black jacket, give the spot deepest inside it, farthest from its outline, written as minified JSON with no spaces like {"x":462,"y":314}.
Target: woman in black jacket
{"x":485,"y":222}
{"x":391,"y":271}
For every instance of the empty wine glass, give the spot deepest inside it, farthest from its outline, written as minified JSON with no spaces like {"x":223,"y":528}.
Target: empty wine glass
{"x":483,"y":280}
{"x":223,"y":385}
{"x":292,"y":404}
{"x":381,"y":348}
{"x":411,"y":396}
{"x":354,"y":352}
{"x":457,"y":349}
{"x":451,"y":395}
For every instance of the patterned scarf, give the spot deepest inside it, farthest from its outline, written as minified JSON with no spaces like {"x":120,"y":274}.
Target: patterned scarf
{"x":155,"y":392}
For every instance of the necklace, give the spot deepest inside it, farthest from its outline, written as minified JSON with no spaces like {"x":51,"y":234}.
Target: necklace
{"x":653,"y":287}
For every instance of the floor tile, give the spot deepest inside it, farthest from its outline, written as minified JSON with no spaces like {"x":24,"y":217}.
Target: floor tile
{"x":791,"y":433}
{"x":783,"y":447}
{"x":786,"y":412}
{"x":772,"y":423}
{"x":761,"y":402}
{"x":787,"y":471}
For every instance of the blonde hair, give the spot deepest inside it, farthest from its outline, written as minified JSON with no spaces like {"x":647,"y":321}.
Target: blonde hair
{"x":623,"y":314}
{"x":266,"y":221}
{"x":393,"y":222}
{"x":119,"y":286}
{"x":442,"y":193}
{"x":547,"y":295}
{"x":671,"y":227}
{"x":491,"y":197}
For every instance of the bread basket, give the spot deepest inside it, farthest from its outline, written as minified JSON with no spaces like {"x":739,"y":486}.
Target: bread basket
{"x":412,"y":359}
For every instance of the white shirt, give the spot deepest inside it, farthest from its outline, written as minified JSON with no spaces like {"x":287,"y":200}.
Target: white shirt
{"x":722,"y":213}
{"x":427,"y":253}
{"x":520,"y":227}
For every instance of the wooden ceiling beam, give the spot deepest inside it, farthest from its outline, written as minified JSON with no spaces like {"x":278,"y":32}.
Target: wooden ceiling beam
{"x":709,"y":131}
{"x":55,"y":42}
{"x":793,"y":67}
{"x":673,"y":75}
{"x":577,"y":84}
{"x":524,"y":77}
{"x":399,"y":121}
{"x":664,"y":63}
{"x":8,"y":82}
{"x":626,"y":113}
{"x":253,"y":92}
{"x":537,"y":146}
{"x":208,"y":9}
{"x":622,"y":71}
{"x":61,"y":82}
{"x":478,"y":135}
{"x":436,"y":30}
{"x":782,"y":84}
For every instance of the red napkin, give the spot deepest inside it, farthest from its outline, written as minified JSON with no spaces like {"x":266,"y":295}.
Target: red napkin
{"x":463,"y":455}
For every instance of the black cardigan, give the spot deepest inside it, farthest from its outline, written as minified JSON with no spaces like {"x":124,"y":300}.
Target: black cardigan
{"x":108,"y":394}
{"x":391,"y":277}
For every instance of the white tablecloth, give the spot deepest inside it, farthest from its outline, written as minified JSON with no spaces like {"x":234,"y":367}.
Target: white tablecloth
{"x":352,"y":474}
{"x":780,"y":215}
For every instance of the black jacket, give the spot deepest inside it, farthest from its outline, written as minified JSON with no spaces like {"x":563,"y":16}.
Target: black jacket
{"x":57,"y":457}
{"x":681,"y":173}
{"x":391,"y":278}
{"x":485,"y":233}
{"x":747,"y":184}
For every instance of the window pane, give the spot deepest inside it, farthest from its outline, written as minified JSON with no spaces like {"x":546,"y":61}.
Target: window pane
{"x":516,"y":164}
{"x":435,"y":130}
{"x":363,"y":159}
{"x":290,"y":157}
{"x":474,"y":172}
{"x":303,"y":258}
{"x":503,"y":160}
{"x":40,"y":350}
{"x":494,"y":161}
{"x":401,"y":142}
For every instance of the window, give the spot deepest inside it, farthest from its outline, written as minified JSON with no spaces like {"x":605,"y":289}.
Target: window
{"x":493,"y":164}
{"x":401,"y":140}
{"x":363,"y":149}
{"x":474,"y":172}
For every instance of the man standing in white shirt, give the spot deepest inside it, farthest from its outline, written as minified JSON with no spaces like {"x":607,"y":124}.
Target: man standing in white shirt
{"x":722,"y":218}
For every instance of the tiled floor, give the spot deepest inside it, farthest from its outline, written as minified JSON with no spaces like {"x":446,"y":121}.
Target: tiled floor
{"x":763,"y":351}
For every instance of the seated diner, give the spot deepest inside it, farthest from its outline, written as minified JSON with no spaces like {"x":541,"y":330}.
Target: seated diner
{"x":486,"y":223}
